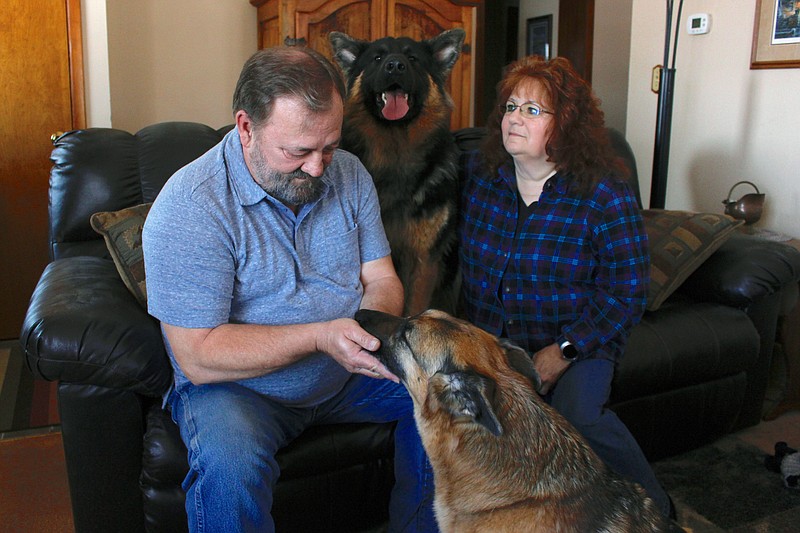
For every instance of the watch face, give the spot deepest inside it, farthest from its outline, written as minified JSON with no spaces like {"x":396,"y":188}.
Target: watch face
{"x":569,"y":352}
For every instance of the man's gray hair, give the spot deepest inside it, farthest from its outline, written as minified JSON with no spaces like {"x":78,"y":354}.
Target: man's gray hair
{"x":299,"y":72}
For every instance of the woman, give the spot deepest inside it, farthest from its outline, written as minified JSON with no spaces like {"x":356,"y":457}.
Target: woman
{"x":554,"y":252}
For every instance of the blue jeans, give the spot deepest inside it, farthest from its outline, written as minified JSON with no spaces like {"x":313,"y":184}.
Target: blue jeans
{"x":581,"y":395}
{"x":232,"y":434}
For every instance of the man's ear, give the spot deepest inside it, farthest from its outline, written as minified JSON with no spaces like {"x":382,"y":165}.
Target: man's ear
{"x":520,"y":360}
{"x":466,"y":395}
{"x":244,"y":126}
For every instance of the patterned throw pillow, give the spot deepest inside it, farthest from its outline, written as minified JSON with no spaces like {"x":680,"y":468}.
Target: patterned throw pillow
{"x":122,"y":231}
{"x":679,"y":243}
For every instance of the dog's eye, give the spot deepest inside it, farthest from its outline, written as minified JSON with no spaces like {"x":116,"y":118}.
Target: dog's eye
{"x":378,"y":58}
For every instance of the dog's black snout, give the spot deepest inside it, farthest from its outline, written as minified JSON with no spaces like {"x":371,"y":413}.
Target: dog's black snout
{"x":394,"y":66}
{"x":382,"y":325}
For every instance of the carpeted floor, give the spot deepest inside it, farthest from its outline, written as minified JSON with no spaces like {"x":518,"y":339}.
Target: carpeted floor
{"x":726,"y":487}
{"x":34,"y":497}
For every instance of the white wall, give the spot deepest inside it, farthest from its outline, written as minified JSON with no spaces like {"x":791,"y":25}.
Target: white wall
{"x":537,"y":8}
{"x":611,"y":51}
{"x":729,"y":123}
{"x":610,"y":59}
{"x":95,"y":63}
{"x":150,"y":61}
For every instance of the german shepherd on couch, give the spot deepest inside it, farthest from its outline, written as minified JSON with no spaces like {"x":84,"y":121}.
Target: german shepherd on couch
{"x":503,"y":460}
{"x":397,"y":121}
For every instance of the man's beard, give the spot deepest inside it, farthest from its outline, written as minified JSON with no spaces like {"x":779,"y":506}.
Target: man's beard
{"x":294,"y":188}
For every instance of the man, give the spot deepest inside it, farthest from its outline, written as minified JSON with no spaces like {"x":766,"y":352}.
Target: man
{"x":258,"y":254}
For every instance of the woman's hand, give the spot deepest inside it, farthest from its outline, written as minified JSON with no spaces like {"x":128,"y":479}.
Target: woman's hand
{"x":550,"y":365}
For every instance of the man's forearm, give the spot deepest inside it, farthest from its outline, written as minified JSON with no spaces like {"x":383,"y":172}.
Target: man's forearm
{"x":231,"y":352}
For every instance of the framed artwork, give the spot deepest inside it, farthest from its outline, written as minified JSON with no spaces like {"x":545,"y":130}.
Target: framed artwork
{"x":539,"y":36}
{"x":776,"y":34}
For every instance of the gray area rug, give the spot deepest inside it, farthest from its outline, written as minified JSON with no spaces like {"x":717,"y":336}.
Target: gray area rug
{"x":726,"y":487}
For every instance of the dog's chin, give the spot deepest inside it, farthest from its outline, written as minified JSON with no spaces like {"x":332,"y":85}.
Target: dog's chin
{"x":390,"y":363}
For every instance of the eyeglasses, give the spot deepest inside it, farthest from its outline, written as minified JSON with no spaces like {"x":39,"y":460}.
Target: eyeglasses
{"x":527,"y":110}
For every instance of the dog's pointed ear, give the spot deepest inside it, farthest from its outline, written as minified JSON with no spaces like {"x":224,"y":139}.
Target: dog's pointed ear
{"x":467,"y":395}
{"x":345,"y":49}
{"x":447,"y":48}
{"x":520,"y":360}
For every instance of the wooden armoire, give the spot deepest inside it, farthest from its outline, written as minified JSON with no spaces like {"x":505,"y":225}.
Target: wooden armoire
{"x":313,"y":20}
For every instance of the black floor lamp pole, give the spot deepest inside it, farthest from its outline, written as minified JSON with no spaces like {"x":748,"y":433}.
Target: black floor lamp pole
{"x":666,"y":89}
{"x":658,"y":189}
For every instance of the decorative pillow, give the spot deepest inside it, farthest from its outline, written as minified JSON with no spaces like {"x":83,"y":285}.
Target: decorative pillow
{"x":679,"y":243}
{"x":122,"y":231}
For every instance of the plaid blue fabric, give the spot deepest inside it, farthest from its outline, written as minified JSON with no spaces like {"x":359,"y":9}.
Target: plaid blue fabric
{"x":578,"y":270}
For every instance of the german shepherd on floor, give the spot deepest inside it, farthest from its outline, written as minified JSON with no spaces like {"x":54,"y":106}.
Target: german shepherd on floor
{"x":503,"y":460}
{"x":397,"y":121}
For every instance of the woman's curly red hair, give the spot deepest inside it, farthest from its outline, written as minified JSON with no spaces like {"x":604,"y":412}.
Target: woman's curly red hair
{"x":579,"y":142}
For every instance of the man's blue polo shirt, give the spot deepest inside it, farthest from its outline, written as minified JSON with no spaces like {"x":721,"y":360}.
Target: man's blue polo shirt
{"x":218,"y":249}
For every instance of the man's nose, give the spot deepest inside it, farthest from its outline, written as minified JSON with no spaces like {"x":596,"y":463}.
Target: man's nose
{"x":313,"y":165}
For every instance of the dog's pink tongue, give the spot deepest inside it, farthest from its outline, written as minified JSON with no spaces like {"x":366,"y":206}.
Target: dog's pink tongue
{"x":396,"y":105}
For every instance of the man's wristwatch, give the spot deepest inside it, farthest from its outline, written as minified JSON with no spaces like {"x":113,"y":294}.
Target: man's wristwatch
{"x":568,"y":351}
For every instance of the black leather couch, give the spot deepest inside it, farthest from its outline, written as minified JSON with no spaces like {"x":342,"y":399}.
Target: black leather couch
{"x":694,"y":370}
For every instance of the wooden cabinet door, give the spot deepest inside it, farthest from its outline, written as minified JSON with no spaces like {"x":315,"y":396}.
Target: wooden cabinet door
{"x":313,"y":20}
{"x":41,"y":92}
{"x":269,"y":23}
{"x":423,"y":19}
{"x":361,"y":19}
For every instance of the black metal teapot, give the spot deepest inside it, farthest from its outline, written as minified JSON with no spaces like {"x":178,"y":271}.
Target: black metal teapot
{"x":748,"y":207}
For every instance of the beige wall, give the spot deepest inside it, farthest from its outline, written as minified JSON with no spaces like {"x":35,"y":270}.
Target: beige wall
{"x":729,"y":124}
{"x":172,"y":60}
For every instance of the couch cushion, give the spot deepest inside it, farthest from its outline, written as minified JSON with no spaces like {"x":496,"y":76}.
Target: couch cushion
{"x":679,"y":243}
{"x":122,"y":231}
{"x":684,"y":343}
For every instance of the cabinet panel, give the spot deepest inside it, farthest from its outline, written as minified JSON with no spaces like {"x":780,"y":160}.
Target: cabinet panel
{"x":363,"y":19}
{"x":269,"y":31}
{"x":422,"y":19}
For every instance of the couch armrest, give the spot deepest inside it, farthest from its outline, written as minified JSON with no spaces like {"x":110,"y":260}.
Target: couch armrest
{"x":84,"y":326}
{"x":744,"y":270}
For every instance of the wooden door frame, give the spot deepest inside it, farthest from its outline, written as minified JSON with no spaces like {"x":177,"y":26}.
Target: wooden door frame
{"x":576,"y":34}
{"x":75,"y":48}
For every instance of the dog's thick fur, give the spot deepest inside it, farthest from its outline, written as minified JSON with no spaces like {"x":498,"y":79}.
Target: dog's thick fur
{"x":397,"y":121}
{"x":503,"y":460}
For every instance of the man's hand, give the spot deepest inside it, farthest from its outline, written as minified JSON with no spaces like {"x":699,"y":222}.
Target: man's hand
{"x":349,"y":344}
{"x":550,"y":365}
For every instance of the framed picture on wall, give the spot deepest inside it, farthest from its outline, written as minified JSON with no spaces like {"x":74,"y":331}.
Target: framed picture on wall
{"x":776,"y":34}
{"x":539,"y":36}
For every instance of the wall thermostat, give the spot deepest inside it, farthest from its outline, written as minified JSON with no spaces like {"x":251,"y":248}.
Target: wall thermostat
{"x":698,"y":24}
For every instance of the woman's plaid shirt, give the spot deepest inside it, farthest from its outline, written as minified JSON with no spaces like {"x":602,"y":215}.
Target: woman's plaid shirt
{"x":578,"y":270}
